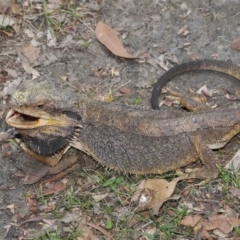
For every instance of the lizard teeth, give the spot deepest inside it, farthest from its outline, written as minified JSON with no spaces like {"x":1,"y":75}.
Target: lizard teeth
{"x":10,"y":114}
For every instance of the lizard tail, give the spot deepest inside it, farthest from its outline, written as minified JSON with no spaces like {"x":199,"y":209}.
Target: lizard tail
{"x":227,"y":68}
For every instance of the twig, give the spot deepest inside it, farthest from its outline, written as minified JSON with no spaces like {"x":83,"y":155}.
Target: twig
{"x":104,"y":232}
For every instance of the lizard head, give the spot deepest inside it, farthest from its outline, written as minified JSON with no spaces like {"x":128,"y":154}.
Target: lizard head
{"x":45,"y":114}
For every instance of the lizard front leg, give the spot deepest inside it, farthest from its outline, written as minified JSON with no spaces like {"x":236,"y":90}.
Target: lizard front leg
{"x":209,"y":170}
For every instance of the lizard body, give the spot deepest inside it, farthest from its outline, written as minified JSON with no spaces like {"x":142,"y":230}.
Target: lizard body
{"x":129,"y":140}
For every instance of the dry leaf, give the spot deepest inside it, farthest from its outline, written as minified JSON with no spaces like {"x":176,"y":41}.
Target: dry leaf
{"x":66,"y":42}
{"x":125,"y":90}
{"x":136,"y":195}
{"x":52,"y":40}
{"x":235,"y":45}
{"x":69,"y":217}
{"x":29,"y":33}
{"x":218,"y":221}
{"x":99,"y":197}
{"x":50,"y":222}
{"x":56,"y":187}
{"x":11,"y":72}
{"x":4,"y":136}
{"x":11,"y":87}
{"x":167,"y":102}
{"x":65,"y":163}
{"x":222,"y":222}
{"x":36,"y":171}
{"x":92,"y":6}
{"x":28,"y":69}
{"x":193,"y":221}
{"x":5,"y":6}
{"x":234,"y":163}
{"x":183,"y":31}
{"x":32,"y":202}
{"x":202,"y":233}
{"x":235,"y":192}
{"x":155,"y":193}
{"x":220,"y":234}
{"x":108,"y":37}
{"x":138,"y":218}
{"x":205,"y":91}
{"x":108,"y":97}
{"x":31,"y":178}
{"x":87,"y":233}
{"x":15,"y":9}
{"x":6,"y":21}
{"x":31,"y":53}
{"x":155,"y":63}
{"x":11,"y":207}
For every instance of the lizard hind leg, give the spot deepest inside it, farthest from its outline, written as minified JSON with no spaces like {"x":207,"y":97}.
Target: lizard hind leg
{"x":193,"y":102}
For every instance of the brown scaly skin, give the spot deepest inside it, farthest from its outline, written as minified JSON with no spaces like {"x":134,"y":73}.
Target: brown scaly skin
{"x":51,"y":116}
{"x":227,"y":68}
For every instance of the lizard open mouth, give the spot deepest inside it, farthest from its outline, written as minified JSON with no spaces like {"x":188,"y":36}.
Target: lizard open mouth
{"x":23,"y":121}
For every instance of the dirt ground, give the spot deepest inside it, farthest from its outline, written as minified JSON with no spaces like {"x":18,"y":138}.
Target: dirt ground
{"x":164,"y":32}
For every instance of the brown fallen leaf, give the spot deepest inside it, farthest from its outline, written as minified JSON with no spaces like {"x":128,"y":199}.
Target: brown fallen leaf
{"x":125,"y":90}
{"x":32,"y":202}
{"x":31,"y":53}
{"x":31,"y":179}
{"x":53,"y":188}
{"x":10,"y":87}
{"x":167,"y":102}
{"x":202,"y":233}
{"x":52,"y":40}
{"x":100,"y":229}
{"x":193,"y":221}
{"x":15,"y":9}
{"x":3,"y":76}
{"x":5,"y":7}
{"x":234,"y":163}
{"x":4,"y":136}
{"x":136,"y":195}
{"x":50,"y":222}
{"x":28,"y":69}
{"x":7,"y":21}
{"x":87,"y":232}
{"x":65,"y":163}
{"x":205,"y":91}
{"x":183,"y":31}
{"x":36,"y":171}
{"x":138,"y":218}
{"x":235,"y":192}
{"x":31,"y":219}
{"x":235,"y":45}
{"x":222,"y":222}
{"x":11,"y":72}
{"x":197,"y":222}
{"x":155,"y":193}
{"x":108,"y":37}
{"x":69,"y":217}
{"x":218,"y":221}
{"x":61,"y":174}
{"x":99,"y":197}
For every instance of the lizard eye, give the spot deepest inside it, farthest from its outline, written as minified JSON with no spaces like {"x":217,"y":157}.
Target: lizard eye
{"x":40,"y":106}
